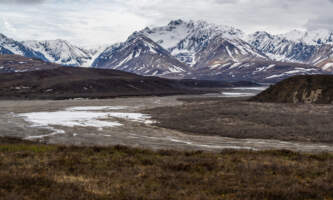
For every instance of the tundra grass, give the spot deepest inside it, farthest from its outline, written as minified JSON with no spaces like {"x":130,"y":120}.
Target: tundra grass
{"x":38,"y":171}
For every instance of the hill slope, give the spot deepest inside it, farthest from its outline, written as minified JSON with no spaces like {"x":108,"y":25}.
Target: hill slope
{"x":70,"y":82}
{"x":300,"y":89}
{"x":13,"y":63}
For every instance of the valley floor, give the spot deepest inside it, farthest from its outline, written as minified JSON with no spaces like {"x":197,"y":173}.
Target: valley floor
{"x":174,"y":122}
{"x":238,"y":118}
{"x":177,"y":147}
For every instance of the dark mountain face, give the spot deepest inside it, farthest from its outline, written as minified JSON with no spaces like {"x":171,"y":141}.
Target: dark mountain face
{"x":220,"y":51}
{"x":141,"y":55}
{"x":69,"y":82}
{"x":4,"y":51}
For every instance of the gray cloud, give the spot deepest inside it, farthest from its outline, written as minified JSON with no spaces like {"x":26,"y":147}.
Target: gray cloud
{"x":227,"y":1}
{"x":22,"y":1}
{"x":108,"y":21}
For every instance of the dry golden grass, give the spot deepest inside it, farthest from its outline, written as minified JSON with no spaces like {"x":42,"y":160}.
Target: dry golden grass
{"x":36,"y":171}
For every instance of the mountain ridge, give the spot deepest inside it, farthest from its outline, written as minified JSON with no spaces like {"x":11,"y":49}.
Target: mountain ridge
{"x":188,"y":48}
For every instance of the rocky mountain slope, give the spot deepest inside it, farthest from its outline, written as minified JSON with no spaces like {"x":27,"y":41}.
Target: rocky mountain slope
{"x":198,"y":43}
{"x":261,"y":71}
{"x":140,"y":55}
{"x":299,"y":47}
{"x":226,"y":53}
{"x":300,"y":89}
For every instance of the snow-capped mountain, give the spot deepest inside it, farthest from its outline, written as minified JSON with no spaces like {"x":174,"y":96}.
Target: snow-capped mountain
{"x":279,"y":48}
{"x":140,"y":55}
{"x":62,"y":52}
{"x":195,"y":49}
{"x":315,"y":37}
{"x":296,"y":46}
{"x":10,"y":46}
{"x":185,"y":40}
{"x":223,"y":52}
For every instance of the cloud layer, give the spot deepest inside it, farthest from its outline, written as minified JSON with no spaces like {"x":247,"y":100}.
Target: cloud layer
{"x":88,"y":22}
{"x":21,"y":1}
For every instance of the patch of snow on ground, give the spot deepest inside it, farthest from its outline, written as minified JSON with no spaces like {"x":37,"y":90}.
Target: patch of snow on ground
{"x":90,"y":116}
{"x":69,"y":119}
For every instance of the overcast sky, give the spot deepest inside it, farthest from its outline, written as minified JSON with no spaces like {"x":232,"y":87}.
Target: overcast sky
{"x":90,"y":22}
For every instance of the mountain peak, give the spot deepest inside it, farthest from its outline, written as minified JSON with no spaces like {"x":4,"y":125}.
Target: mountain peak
{"x":176,"y":22}
{"x":138,"y":37}
{"x":4,"y":38}
{"x":61,"y":52}
{"x":2,"y":35}
{"x":312,"y":37}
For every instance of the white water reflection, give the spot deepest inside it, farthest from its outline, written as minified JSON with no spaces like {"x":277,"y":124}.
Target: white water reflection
{"x":238,"y":92}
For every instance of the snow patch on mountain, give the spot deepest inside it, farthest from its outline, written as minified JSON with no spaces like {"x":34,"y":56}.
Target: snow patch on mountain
{"x":61,"y":52}
{"x":140,"y":55}
{"x":10,"y":46}
{"x":185,"y":39}
{"x":315,"y":37}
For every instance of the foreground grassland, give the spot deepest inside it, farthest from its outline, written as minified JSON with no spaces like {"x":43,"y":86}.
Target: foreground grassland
{"x":37,"y":171}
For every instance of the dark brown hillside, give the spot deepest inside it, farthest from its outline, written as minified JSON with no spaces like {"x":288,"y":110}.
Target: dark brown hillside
{"x":73,"y":82}
{"x":300,"y":89}
{"x":25,"y":78}
{"x":16,"y":63}
{"x":68,"y":82}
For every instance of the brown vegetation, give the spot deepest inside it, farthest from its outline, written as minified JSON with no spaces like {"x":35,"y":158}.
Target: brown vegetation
{"x":36,"y":171}
{"x":16,"y":63}
{"x":231,"y":117}
{"x":70,"y":82}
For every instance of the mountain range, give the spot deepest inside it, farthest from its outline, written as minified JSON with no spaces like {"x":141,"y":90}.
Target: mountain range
{"x":195,"y":50}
